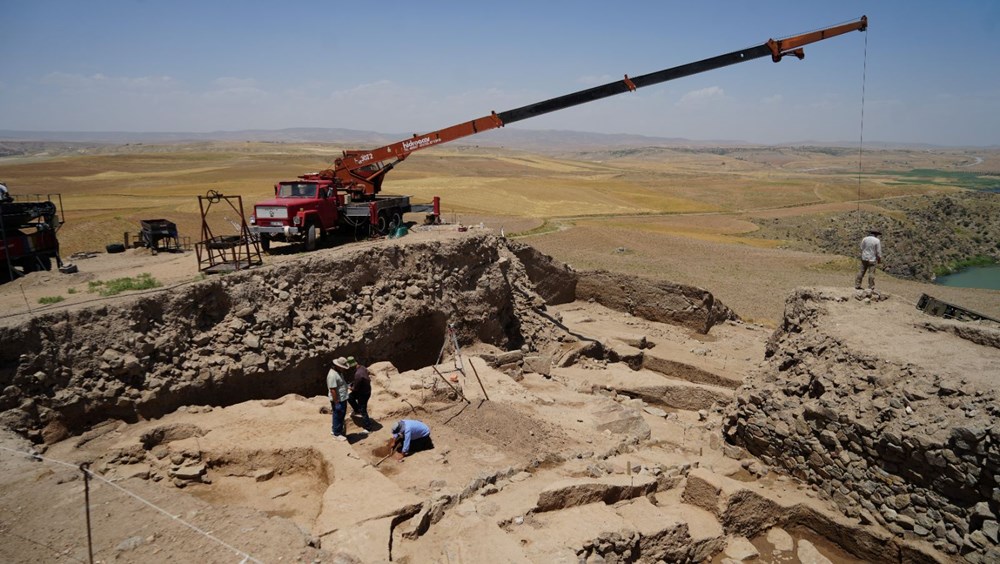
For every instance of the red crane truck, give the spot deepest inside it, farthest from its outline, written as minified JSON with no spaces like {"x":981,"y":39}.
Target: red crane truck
{"x":347,"y":194}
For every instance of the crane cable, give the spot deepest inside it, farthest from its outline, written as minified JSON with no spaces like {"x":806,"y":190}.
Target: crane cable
{"x":861,"y":139}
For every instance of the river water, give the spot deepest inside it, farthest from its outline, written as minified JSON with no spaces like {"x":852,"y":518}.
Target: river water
{"x":976,"y":277}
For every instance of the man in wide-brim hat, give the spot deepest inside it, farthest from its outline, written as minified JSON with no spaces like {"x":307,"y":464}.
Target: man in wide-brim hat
{"x":337,"y":384}
{"x":871,"y":256}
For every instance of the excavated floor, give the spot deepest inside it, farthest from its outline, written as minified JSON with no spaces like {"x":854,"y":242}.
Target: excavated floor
{"x":597,"y":437}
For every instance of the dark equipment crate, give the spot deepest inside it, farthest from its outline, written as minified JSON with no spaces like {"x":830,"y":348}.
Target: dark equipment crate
{"x":159,"y":235}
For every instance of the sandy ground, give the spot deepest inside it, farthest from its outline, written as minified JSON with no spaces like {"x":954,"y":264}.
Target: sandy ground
{"x":274,"y":486}
{"x":507,"y":480}
{"x":20,"y":298}
{"x":753,"y":280}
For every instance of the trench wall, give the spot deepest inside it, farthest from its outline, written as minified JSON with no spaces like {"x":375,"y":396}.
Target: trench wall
{"x":655,"y":300}
{"x":261,"y":333}
{"x":275,"y":330}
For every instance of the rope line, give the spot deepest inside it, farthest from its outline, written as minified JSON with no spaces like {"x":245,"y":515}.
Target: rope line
{"x":35,"y":456}
{"x":861,"y":139}
{"x":130,"y":294}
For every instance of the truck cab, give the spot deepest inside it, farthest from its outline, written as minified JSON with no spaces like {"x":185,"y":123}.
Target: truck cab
{"x":302,"y":210}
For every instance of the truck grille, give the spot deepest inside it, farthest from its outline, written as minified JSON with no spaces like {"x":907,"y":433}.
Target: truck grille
{"x":265,"y":213}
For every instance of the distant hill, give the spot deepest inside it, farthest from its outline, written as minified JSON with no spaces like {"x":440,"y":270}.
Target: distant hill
{"x":525,"y":139}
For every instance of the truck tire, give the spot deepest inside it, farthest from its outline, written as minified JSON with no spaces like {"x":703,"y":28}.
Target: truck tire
{"x":312,"y":233}
{"x":265,"y":243}
{"x":383,"y":223}
{"x":115,"y":248}
{"x":397,"y":220}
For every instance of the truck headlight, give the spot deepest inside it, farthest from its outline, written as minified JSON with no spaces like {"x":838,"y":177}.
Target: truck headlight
{"x":296,"y":220}
{"x":253,"y":219}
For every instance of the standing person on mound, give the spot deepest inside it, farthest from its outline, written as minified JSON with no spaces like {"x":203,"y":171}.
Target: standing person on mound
{"x":337,"y":385}
{"x":361,"y":392}
{"x":409,"y":436}
{"x":871,"y":256}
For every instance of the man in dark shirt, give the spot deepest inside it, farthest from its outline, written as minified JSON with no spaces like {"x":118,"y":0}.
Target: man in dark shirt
{"x":361,"y":392}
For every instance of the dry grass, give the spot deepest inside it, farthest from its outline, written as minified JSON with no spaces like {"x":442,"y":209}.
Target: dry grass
{"x":683,"y":215}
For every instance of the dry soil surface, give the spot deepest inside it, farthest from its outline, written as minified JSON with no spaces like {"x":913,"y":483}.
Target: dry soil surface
{"x":608,"y":449}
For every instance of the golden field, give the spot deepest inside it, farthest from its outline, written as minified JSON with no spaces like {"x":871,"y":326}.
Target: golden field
{"x":680,"y":214}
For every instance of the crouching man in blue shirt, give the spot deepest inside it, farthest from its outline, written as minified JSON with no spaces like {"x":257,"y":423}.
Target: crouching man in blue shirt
{"x":409,"y":436}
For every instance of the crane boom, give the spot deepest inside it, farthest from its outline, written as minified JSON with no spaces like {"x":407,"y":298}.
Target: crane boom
{"x":362,"y":172}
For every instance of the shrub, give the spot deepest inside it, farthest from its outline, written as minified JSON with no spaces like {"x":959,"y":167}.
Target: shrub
{"x":144,"y":281}
{"x":50,"y":299}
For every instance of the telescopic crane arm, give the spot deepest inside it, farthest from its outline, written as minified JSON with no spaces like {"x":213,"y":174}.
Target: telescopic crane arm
{"x":362,"y":172}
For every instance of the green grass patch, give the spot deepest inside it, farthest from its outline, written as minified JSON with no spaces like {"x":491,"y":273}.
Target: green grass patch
{"x":50,"y":299}
{"x":71,"y":291}
{"x":144,"y":281}
{"x":546,"y":227}
{"x":937,"y":177}
{"x":953,"y":267}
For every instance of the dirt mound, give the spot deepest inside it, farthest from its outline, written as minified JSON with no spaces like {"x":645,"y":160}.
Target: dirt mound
{"x":505,"y":426}
{"x":893,"y":415}
{"x":654,"y":300}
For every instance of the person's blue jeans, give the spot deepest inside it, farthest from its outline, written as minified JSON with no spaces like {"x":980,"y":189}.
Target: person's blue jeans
{"x":359,"y":403}
{"x":339,"y":409}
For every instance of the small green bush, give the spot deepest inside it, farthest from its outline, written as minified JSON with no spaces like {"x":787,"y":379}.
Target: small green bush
{"x":50,"y":299}
{"x":144,"y":281}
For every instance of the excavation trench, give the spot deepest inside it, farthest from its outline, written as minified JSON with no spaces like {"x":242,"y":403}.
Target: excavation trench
{"x":271,"y":334}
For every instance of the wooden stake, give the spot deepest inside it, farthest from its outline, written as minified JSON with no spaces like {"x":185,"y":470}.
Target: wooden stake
{"x":474,"y":371}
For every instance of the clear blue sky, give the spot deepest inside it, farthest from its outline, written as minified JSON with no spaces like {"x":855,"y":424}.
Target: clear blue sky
{"x":412,"y":67}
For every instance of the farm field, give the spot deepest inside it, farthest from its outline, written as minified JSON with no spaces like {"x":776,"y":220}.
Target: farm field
{"x":676,"y":213}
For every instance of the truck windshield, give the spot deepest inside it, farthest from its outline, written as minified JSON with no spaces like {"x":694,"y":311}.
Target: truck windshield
{"x":297,"y":190}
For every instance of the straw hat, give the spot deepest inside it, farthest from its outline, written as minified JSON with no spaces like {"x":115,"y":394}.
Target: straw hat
{"x":341,"y":362}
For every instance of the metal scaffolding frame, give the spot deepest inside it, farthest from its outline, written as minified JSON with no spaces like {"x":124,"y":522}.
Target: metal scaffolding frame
{"x":225,"y":253}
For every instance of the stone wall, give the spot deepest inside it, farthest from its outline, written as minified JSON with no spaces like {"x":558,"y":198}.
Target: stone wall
{"x":899,"y":443}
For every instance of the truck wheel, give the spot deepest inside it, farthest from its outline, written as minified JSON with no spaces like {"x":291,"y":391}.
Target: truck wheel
{"x":383,"y":223}
{"x":265,"y":243}
{"x":397,"y":220}
{"x":311,"y":235}
{"x":115,"y":248}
